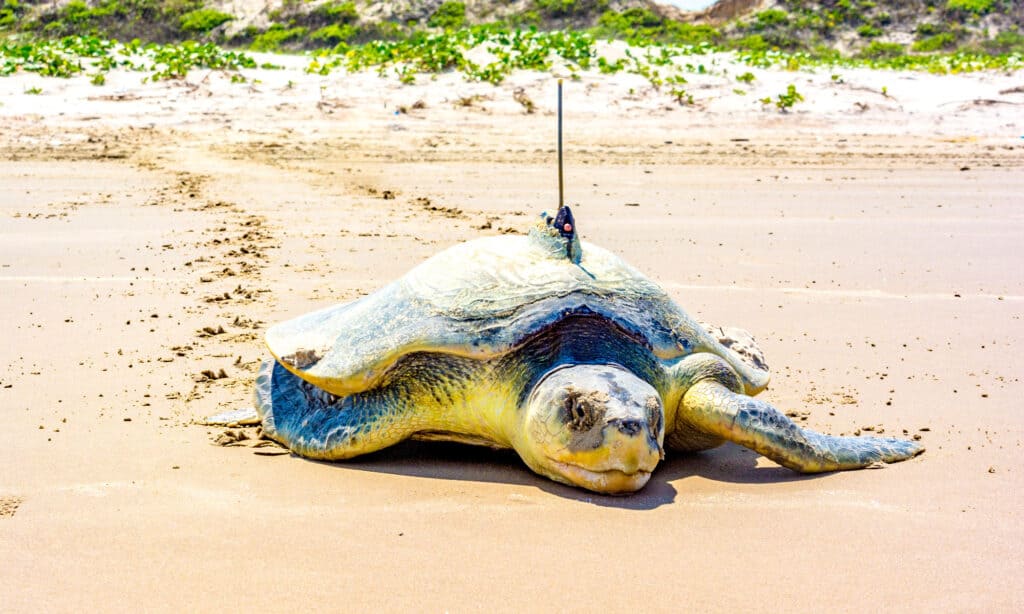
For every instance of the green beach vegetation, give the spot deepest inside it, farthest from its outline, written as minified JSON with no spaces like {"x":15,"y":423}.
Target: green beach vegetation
{"x":169,"y":37}
{"x":73,"y":55}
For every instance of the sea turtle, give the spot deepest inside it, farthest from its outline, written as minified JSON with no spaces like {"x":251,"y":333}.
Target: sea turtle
{"x":541,"y":343}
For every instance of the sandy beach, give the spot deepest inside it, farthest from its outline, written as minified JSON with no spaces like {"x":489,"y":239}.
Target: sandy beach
{"x":869,"y":239}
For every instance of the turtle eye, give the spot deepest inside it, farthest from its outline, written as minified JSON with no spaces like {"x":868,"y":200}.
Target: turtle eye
{"x":654,"y":414}
{"x":580,"y":415}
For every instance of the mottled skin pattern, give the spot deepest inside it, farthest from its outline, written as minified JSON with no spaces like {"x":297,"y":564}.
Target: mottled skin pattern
{"x":545,"y":345}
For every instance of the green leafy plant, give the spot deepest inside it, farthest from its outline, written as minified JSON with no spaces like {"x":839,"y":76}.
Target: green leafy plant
{"x":770,"y":18}
{"x":334,"y":33}
{"x":404,"y":53}
{"x":201,"y":21}
{"x":945,"y":40}
{"x":869,"y":31}
{"x":977,"y":7}
{"x":152,"y":20}
{"x":10,"y":12}
{"x":641,"y":27}
{"x":606,"y":67}
{"x":681,"y":96}
{"x":449,"y":15}
{"x":275,"y":36}
{"x":785,"y":101}
{"x":338,"y":12}
{"x":568,"y":8}
{"x":754,"y":42}
{"x":73,"y":55}
{"x":878,"y":50}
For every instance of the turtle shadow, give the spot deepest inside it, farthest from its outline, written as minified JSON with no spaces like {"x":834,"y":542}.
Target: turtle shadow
{"x":453,"y":461}
{"x":728,"y":463}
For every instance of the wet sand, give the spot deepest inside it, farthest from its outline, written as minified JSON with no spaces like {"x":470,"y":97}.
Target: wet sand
{"x":882,"y":281}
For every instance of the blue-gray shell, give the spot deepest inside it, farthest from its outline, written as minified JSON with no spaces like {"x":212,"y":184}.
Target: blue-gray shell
{"x":480,"y":299}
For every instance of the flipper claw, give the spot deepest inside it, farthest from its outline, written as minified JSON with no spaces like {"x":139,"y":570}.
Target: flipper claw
{"x":246,"y":416}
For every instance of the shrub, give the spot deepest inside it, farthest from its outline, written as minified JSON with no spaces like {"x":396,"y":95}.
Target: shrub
{"x":691,"y":34}
{"x":978,"y":7}
{"x":946,"y":40}
{"x":150,"y":20}
{"x":869,"y":31}
{"x":334,"y":33}
{"x":77,"y":11}
{"x":569,"y":8}
{"x":769,"y":18}
{"x":275,"y":36}
{"x":826,"y":53}
{"x":630,"y":19}
{"x":203,"y":20}
{"x":526,"y":18}
{"x":379,"y":31}
{"x":878,"y":50}
{"x":641,"y":26}
{"x":10,"y":11}
{"x":753,"y":42}
{"x":450,"y":15}
{"x":338,"y":12}
{"x":1007,"y":41}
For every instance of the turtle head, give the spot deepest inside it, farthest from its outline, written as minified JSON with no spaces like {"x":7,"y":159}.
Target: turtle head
{"x":557,"y":235}
{"x":598,"y":427}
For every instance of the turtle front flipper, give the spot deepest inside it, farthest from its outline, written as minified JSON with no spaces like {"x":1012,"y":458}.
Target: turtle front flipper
{"x":715,"y":409}
{"x":316,"y":424}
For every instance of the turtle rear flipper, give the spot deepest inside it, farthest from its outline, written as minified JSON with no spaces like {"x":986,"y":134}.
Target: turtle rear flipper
{"x":251,"y":416}
{"x":317,"y":424}
{"x":753,"y":423}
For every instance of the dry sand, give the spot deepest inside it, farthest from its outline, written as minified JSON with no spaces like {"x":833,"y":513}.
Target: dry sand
{"x":883,"y":282}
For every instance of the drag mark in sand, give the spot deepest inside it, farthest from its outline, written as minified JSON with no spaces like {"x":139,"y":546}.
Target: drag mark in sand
{"x":9,"y":505}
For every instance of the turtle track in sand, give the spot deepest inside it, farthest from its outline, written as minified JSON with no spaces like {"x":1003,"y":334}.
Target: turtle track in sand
{"x":9,"y":505}
{"x":222,"y":279}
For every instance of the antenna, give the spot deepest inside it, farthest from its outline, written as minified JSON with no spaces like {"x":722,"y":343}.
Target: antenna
{"x":561,"y":201}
